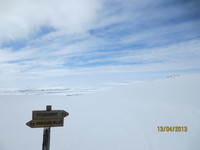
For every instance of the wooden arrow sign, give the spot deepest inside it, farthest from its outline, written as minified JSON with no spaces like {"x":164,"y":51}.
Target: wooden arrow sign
{"x":47,"y":119}
{"x":45,"y":123}
{"x":53,"y":114}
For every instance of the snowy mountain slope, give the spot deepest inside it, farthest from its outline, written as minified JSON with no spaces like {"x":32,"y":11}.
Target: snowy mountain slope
{"x":122,"y":118}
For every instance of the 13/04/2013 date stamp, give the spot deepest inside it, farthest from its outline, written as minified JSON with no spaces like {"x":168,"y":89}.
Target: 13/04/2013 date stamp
{"x":172,"y":128}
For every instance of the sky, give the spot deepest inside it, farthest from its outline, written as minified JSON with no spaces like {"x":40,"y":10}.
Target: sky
{"x":88,"y":42}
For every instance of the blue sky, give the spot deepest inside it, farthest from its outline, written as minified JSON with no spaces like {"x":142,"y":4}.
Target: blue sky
{"x":74,"y":42}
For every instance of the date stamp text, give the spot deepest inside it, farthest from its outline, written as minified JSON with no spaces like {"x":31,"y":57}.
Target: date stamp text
{"x":172,"y":128}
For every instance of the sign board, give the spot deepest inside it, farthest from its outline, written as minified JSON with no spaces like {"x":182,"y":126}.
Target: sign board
{"x":53,"y":114}
{"x":46,"y":119}
{"x":45,"y":123}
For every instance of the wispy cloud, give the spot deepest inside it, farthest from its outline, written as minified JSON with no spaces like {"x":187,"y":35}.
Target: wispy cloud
{"x":22,"y":18}
{"x":51,"y":39}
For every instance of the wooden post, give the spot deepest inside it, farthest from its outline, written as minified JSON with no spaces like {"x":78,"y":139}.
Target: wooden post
{"x":46,"y":134}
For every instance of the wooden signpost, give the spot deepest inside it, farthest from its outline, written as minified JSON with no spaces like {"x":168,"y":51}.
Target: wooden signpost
{"x":46,"y":119}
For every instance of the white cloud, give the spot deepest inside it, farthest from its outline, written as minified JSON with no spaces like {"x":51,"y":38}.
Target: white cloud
{"x":180,"y":56}
{"x":175,"y":53}
{"x":20,"y":18}
{"x":165,"y":34}
{"x":69,"y":50}
{"x":7,"y":54}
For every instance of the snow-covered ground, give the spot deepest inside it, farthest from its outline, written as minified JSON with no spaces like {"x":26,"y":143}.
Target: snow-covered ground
{"x":123,"y":118}
{"x":59,"y":91}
